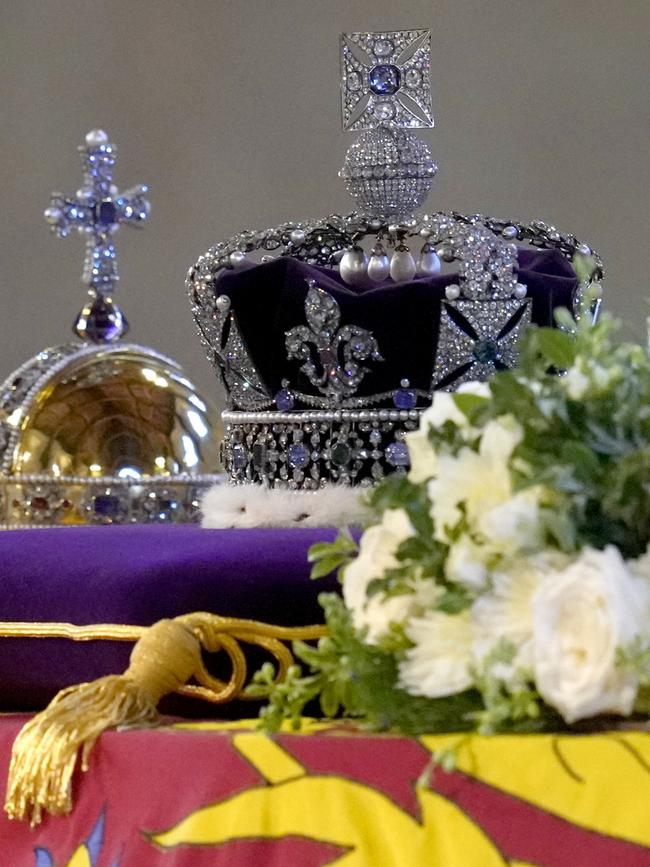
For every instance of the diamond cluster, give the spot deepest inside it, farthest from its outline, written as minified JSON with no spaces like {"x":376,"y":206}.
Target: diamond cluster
{"x":476,"y":339}
{"x":388,"y":171}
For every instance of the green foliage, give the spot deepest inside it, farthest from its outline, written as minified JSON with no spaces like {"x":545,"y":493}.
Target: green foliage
{"x":332,"y":556}
{"x":510,"y":704}
{"x":591,"y":451}
{"x":361,"y":681}
{"x":557,"y":347}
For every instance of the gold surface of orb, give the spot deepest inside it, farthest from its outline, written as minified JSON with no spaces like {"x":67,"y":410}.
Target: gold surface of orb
{"x":124,"y":412}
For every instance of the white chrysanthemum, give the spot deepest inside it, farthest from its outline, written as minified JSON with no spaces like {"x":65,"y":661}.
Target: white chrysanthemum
{"x":377,"y":551}
{"x":478,"y":481}
{"x":424,"y":459}
{"x":505,"y":612}
{"x":581,"y":616}
{"x":438,"y":664}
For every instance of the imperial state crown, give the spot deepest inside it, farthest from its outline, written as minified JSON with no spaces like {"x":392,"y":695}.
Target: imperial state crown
{"x":99,"y":430}
{"x":331,"y":335}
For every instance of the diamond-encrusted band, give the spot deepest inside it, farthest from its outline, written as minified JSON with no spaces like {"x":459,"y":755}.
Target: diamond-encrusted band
{"x":40,"y":501}
{"x":307,"y":450}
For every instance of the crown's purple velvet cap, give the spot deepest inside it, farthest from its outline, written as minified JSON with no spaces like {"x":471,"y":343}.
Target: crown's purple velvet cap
{"x":269,"y":299}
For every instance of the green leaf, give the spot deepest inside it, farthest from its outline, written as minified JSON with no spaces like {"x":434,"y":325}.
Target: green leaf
{"x":558,"y":347}
{"x":320,"y":550}
{"x":560,"y":527}
{"x":470,"y":404}
{"x":564,"y":319}
{"x":329,"y":556}
{"x":454,"y":601}
{"x":642,"y":703}
{"x":585,"y":463}
{"x":327,"y":564}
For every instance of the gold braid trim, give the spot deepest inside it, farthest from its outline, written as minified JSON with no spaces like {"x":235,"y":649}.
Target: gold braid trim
{"x":165,"y":657}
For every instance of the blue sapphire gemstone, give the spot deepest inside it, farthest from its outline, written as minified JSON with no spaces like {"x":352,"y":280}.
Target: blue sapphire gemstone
{"x":239,"y":456}
{"x":397,"y":455}
{"x":404,"y":398}
{"x":486,"y":351}
{"x":106,"y":505}
{"x":298,"y":456}
{"x":101,"y":321}
{"x":284,"y":400}
{"x":384,"y":79}
{"x":106,"y":213}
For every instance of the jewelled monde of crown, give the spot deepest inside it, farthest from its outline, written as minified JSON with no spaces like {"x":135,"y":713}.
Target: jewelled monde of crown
{"x":291,"y":316}
{"x":100,"y":431}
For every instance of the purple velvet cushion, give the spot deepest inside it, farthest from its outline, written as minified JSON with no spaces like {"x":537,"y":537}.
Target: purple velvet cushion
{"x":138,"y":574}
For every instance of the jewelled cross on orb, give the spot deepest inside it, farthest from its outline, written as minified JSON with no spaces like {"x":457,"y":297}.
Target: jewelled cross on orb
{"x":98,"y":210}
{"x":385,"y":79}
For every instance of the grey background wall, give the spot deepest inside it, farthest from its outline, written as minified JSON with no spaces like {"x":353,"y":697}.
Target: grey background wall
{"x":230,"y":111}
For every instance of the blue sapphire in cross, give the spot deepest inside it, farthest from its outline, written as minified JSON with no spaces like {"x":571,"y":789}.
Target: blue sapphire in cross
{"x":384,"y":79}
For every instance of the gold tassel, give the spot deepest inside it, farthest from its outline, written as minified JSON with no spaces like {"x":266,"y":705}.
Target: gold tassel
{"x":45,"y":752}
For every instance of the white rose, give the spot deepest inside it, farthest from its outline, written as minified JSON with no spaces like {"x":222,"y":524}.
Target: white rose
{"x":377,"y":550}
{"x":424,"y":459}
{"x":478,"y":481}
{"x":438,"y":664}
{"x":581,"y":615}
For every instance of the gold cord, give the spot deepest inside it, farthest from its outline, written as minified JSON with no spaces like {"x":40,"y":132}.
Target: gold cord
{"x":165,"y":657}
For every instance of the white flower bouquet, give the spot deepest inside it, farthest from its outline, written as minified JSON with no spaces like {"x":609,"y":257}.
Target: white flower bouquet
{"x":506,"y":582}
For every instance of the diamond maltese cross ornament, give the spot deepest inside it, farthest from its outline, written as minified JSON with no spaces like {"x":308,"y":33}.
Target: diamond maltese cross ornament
{"x":385,"y":79}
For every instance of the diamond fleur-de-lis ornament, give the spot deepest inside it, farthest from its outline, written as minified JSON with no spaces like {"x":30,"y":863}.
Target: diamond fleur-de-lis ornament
{"x":331,"y":355}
